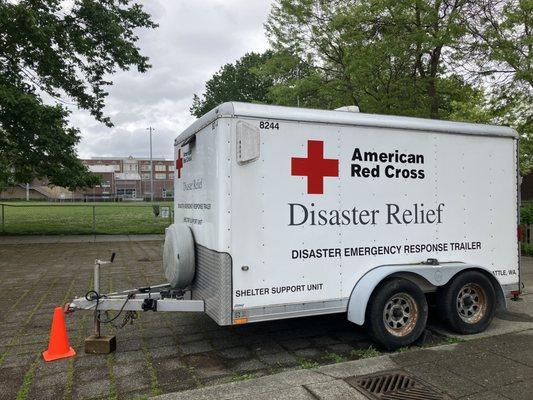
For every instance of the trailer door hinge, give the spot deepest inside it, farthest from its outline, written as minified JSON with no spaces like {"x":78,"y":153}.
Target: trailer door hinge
{"x":149,"y":304}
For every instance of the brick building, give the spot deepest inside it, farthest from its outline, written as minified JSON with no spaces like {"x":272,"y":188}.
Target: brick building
{"x":129,"y":179}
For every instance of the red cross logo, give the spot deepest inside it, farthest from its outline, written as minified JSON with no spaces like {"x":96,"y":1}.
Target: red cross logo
{"x":179,"y":163}
{"x":315,"y":167}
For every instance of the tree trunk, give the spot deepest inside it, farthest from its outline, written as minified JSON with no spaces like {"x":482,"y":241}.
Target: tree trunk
{"x":432,"y":83}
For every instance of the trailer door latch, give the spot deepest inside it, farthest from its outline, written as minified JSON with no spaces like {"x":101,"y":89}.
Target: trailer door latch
{"x":432,"y":261}
{"x":149,"y":304}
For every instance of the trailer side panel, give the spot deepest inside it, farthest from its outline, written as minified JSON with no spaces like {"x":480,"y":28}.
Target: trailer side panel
{"x":326,"y":203}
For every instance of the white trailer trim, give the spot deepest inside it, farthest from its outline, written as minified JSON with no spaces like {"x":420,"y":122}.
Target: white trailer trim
{"x":280,"y":113}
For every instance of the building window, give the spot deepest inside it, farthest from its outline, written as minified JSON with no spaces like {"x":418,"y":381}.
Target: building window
{"x":106,"y":184}
{"x":160,"y":176}
{"x":127,"y":193}
{"x":145,"y":176}
{"x":132,"y":167}
{"x":170,"y":176}
{"x":117,"y":167}
{"x":145,"y":167}
{"x":160,"y":168}
{"x":171,"y":167}
{"x":166,"y":193}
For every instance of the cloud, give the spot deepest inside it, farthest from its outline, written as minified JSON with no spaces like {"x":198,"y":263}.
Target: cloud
{"x":193,"y":41}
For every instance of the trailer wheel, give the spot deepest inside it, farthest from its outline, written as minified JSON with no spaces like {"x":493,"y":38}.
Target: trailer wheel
{"x":396,"y":314}
{"x":467,"y":303}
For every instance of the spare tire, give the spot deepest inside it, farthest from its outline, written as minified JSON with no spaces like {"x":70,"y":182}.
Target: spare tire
{"x":178,"y":256}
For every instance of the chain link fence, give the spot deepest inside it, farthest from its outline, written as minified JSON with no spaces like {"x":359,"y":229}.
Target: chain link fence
{"x":81,"y":218}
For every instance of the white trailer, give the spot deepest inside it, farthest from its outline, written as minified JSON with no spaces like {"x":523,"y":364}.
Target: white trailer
{"x":287,"y":212}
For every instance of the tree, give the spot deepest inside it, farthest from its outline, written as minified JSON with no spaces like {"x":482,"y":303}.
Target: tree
{"x":51,"y":51}
{"x":385,"y":56}
{"x":499,"y":54}
{"x":235,"y":82}
{"x":502,"y":39}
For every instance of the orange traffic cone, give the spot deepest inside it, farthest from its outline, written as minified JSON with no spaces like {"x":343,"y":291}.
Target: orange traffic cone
{"x":58,"y":346}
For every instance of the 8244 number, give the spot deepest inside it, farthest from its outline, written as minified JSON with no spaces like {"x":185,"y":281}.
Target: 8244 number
{"x":268,"y":125}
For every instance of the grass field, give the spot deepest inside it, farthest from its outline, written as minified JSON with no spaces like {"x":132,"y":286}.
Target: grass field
{"x":38,"y":218}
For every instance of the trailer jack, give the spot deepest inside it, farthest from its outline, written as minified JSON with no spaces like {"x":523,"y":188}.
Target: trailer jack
{"x":160,"y":298}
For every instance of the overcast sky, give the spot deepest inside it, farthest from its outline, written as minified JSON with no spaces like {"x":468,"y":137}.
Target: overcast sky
{"x":194,"y":39}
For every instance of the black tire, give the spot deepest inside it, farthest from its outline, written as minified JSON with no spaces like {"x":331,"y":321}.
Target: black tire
{"x":390,"y":329}
{"x":467,"y":303}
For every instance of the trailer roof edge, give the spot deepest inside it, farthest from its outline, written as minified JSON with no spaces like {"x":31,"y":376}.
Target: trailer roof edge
{"x":250,"y":110}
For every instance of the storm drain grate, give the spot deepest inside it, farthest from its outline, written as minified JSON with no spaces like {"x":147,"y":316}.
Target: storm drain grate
{"x":394,"y":386}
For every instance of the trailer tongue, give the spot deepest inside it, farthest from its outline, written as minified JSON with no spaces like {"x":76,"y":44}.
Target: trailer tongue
{"x":150,"y":298}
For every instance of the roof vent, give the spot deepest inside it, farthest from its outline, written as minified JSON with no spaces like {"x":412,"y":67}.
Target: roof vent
{"x":348,"y":108}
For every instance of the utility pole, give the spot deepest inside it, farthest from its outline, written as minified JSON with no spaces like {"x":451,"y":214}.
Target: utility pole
{"x":151,"y":167}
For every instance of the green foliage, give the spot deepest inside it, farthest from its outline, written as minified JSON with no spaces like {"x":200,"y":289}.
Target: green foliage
{"x":243,"y":377}
{"x":383,"y":55}
{"x":513,"y":106}
{"x":402,"y":349}
{"x":501,"y":38}
{"x":336,"y":358}
{"x":35,"y":141}
{"x":451,"y":340}
{"x":526,"y":218}
{"x":307,"y":364}
{"x":50,"y":50}
{"x":235,"y":82}
{"x":365,"y":353}
{"x":527,"y":249}
{"x":526,"y":214}
{"x":26,"y":382}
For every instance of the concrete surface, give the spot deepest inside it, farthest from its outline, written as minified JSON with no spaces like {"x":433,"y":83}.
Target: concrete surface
{"x":497,"y":367}
{"x":165,"y":353}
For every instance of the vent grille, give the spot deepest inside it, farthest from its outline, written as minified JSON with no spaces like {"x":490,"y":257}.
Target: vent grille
{"x":394,"y":386}
{"x":212,"y":283}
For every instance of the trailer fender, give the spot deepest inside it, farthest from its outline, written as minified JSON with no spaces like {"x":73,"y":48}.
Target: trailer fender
{"x":431,"y":275}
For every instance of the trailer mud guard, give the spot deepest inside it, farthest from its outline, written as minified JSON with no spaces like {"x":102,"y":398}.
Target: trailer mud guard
{"x":434,"y":275}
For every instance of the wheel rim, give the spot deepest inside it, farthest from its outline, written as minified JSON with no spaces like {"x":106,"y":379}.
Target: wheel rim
{"x":471,"y":303}
{"x":400,"y":314}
